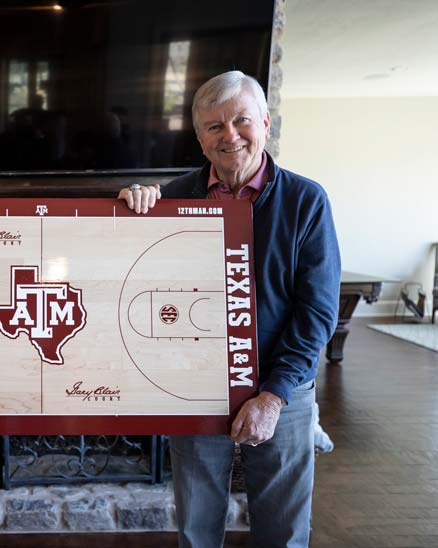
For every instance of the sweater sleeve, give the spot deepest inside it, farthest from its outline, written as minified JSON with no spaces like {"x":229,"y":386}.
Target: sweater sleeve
{"x":314,"y":308}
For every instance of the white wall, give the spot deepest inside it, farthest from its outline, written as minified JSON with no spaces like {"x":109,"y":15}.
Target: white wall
{"x":377,"y":157}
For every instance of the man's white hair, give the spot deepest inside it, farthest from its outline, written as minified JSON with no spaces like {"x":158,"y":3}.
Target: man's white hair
{"x":226,"y":86}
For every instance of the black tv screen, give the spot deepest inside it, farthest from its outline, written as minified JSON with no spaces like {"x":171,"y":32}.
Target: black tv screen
{"x":107,"y":86}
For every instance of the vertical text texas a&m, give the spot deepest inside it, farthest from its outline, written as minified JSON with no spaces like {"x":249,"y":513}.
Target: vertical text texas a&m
{"x":241,"y":339}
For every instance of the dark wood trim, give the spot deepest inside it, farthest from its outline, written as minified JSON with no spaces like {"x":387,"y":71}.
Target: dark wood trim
{"x":159,"y":539}
{"x":74,"y":187}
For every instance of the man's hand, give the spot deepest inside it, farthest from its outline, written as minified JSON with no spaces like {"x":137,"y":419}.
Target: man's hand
{"x":256,"y":420}
{"x":141,"y":199}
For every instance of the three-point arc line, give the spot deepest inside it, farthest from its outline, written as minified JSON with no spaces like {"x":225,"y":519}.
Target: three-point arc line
{"x":119,"y":313}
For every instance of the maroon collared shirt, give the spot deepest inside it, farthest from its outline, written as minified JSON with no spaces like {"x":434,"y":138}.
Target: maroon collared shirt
{"x":251,"y":191}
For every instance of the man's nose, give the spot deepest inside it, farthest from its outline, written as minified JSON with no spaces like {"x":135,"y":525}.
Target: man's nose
{"x":230,"y":133}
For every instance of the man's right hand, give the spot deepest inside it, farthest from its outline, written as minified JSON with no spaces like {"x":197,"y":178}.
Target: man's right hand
{"x":141,"y":199}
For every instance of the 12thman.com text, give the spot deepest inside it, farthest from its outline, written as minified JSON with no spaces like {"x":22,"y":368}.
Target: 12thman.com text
{"x":200,"y":211}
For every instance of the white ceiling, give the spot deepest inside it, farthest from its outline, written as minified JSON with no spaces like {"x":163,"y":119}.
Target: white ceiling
{"x":338,"y":48}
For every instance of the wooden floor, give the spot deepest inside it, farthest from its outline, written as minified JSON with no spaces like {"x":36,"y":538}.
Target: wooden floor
{"x":379,"y":488}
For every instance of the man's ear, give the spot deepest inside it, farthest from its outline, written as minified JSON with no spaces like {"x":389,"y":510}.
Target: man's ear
{"x":267,"y":124}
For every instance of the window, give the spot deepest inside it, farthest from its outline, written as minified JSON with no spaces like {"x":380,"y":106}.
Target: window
{"x":175,"y":83}
{"x":27,"y":85}
{"x":18,"y":96}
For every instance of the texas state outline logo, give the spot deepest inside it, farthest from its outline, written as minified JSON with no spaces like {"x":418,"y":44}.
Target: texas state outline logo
{"x":49,"y":313}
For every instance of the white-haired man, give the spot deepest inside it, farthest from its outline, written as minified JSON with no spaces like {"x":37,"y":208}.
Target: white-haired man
{"x":297,"y":271}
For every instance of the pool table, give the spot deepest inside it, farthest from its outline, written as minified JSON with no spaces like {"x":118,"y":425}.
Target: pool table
{"x":353,"y":288}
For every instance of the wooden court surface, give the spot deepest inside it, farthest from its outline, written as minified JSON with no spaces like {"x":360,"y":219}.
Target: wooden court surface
{"x":148,"y":364}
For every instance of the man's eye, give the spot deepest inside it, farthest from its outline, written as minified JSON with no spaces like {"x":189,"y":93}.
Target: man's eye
{"x":214,"y":128}
{"x":243,"y":119}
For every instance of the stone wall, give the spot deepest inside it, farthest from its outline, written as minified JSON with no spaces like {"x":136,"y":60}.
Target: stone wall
{"x":276,"y":78}
{"x":100,"y":507}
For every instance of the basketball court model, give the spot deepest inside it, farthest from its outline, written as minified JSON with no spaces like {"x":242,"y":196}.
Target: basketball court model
{"x":113,"y":322}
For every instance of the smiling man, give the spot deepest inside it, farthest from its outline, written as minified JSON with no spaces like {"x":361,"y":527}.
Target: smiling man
{"x":232,"y":137}
{"x":297,"y":272}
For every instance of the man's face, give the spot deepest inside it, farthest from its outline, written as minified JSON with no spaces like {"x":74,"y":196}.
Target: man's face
{"x":233,"y":136}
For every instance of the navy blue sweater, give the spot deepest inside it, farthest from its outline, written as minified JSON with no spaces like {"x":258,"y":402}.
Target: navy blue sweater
{"x":297,"y":268}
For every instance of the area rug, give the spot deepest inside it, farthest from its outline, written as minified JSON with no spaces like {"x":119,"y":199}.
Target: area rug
{"x":421,"y":334}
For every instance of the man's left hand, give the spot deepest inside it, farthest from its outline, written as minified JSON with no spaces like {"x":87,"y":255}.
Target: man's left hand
{"x":142,"y":198}
{"x":257,"y":419}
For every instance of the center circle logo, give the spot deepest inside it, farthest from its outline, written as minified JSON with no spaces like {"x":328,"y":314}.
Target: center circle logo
{"x":169,"y":313}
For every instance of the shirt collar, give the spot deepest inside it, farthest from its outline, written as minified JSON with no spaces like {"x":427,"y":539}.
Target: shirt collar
{"x":257,"y":182}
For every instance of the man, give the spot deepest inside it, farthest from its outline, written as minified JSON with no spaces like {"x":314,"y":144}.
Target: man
{"x":297,"y":280}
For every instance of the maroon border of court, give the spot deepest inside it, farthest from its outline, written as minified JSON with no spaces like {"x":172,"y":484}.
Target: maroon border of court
{"x":237,"y":217}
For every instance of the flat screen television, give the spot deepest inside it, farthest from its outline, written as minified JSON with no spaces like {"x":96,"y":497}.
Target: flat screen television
{"x":94,"y":87}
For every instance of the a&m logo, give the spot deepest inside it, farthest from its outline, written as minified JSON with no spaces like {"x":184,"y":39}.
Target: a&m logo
{"x":41,"y":210}
{"x":48,"y":313}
